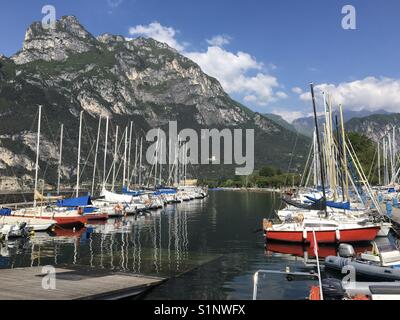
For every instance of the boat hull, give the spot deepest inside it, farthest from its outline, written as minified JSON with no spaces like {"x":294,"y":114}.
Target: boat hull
{"x":71,"y":222}
{"x":364,"y":270}
{"x":328,"y":236}
{"x":97,"y":216}
{"x":65,"y":221}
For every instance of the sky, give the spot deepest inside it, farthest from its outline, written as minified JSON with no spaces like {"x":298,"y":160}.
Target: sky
{"x":264,"y":52}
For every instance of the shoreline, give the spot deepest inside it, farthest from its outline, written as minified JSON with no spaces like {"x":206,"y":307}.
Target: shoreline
{"x":251,"y":189}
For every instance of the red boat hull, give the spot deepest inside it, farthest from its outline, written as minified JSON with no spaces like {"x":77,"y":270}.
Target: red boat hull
{"x":65,"y":221}
{"x":347,"y":235}
{"x":100,"y":216}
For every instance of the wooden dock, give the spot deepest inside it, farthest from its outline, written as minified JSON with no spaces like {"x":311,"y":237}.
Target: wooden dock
{"x":72,"y":283}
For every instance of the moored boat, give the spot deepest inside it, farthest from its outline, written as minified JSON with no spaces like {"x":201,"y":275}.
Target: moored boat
{"x":326,"y":231}
{"x":63,"y":218}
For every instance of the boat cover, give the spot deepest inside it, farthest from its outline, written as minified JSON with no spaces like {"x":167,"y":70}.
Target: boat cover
{"x":5,"y":212}
{"x":167,"y":191}
{"x":333,"y":204}
{"x":75,"y":202}
{"x":317,"y":205}
{"x":115,"y":197}
{"x":135,"y":193}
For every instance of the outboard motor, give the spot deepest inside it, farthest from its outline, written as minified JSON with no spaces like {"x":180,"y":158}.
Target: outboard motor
{"x":332,"y":289}
{"x":346,"y":251}
{"x":22,"y":225}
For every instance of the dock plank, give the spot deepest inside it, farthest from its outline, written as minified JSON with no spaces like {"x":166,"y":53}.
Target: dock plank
{"x":72,"y":283}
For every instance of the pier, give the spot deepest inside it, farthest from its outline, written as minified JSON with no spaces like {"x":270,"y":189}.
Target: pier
{"x":73,"y":283}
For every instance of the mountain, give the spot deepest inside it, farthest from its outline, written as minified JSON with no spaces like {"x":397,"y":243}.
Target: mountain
{"x":306,"y":125}
{"x":68,"y":70}
{"x":279,"y":120}
{"x":375,"y":126}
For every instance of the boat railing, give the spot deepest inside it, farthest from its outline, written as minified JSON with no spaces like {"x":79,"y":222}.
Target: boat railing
{"x":290,"y":276}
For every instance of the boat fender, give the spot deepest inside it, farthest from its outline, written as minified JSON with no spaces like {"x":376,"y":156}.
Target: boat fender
{"x":337,"y":235}
{"x":299,"y":218}
{"x":304,"y":234}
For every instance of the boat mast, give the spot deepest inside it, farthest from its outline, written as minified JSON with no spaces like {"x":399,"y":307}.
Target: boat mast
{"x":59,"y":159}
{"x":315,"y":161}
{"x":161,"y":155}
{"x":115,"y":158}
{"x":168,"y":159}
{"x":125,"y":157}
{"x":156,"y":159}
{"x":319,"y":148}
{"x":95,"y":155}
{"x":344,"y":151}
{"x":339,"y":158}
{"x":79,"y":155}
{"x":184,"y":163}
{"x":379,"y":163}
{"x":394,"y":155}
{"x":140,"y":161}
{"x":129,"y":155}
{"x":105,"y":155}
{"x":178,"y":146}
{"x":136,"y":161}
{"x":37,"y":157}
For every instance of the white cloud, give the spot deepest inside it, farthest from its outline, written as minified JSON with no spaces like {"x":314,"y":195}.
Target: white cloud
{"x":281,"y":95}
{"x":158,"y":32}
{"x":232,"y":70}
{"x":114,"y":3}
{"x":369,"y":93}
{"x":297,"y":90}
{"x":219,"y":40}
{"x":239,"y":73}
{"x":288,"y":115}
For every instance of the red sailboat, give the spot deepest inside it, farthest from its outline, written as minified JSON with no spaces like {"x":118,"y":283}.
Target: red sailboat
{"x":326,"y":231}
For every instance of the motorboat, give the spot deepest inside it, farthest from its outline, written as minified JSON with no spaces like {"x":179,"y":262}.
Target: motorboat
{"x":35,"y":224}
{"x":335,"y":289}
{"x":381,"y":263}
{"x":17,"y":230}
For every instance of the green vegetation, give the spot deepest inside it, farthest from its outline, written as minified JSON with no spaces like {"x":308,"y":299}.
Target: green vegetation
{"x":279,"y":120}
{"x":266,"y":177}
{"x":272,"y":177}
{"x":366,"y":151}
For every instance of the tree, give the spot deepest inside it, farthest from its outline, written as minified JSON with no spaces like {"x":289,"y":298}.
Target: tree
{"x":365,"y":150}
{"x":267,"y":172}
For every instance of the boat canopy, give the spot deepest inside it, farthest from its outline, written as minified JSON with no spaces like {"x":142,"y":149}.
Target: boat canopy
{"x":134,"y":193}
{"x":166,"y":191}
{"x":317,"y":205}
{"x":5,"y":212}
{"x":115,"y":197}
{"x":75,"y":202}
{"x":332,"y":204}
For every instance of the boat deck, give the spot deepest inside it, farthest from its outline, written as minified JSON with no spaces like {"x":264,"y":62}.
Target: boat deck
{"x":72,"y":283}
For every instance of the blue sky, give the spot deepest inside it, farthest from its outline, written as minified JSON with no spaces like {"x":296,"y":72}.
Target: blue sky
{"x":269,"y":51}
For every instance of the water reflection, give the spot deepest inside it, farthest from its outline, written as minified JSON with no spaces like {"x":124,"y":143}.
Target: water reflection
{"x":156,"y":244}
{"x":216,"y":233}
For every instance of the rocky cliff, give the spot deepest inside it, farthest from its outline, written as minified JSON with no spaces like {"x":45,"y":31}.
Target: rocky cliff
{"x":67,"y":70}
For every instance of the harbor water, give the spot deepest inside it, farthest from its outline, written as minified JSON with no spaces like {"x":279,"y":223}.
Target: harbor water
{"x":209,"y":249}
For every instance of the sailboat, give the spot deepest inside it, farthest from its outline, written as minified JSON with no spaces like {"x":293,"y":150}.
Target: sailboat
{"x":63,"y":217}
{"x":314,"y":215}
